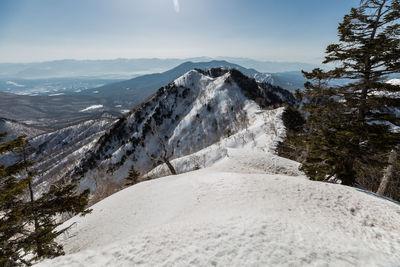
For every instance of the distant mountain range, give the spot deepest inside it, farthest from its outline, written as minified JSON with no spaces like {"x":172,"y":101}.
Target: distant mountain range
{"x":127,"y":68}
{"x":270,"y":66}
{"x":72,"y":85}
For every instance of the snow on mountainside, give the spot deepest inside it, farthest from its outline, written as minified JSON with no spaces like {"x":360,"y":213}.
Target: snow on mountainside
{"x":394,"y":81}
{"x":195,"y":111}
{"x":259,"y":138}
{"x":247,"y":208}
{"x":15,"y":129}
{"x":56,"y":153}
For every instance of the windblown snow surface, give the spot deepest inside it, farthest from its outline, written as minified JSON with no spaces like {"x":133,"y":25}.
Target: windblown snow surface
{"x":246,"y":207}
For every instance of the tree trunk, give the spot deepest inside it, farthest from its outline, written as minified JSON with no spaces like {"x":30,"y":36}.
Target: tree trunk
{"x":170,"y":167}
{"x":368,"y":67}
{"x":36,"y":225}
{"x":39,"y":250}
{"x":388,"y":173}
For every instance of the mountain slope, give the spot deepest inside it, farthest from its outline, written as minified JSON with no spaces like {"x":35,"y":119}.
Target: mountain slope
{"x":56,"y":152}
{"x":195,"y":111}
{"x":15,"y":129}
{"x":237,"y":212}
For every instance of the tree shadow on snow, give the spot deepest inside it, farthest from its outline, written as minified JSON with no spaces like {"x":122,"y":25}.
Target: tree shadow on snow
{"x":360,"y":189}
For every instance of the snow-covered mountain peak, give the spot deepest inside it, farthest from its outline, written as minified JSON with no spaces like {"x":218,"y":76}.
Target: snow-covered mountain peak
{"x":190,"y":78}
{"x":215,"y":78}
{"x":195,"y":111}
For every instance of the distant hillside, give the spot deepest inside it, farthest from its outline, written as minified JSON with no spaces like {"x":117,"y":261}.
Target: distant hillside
{"x":15,"y":129}
{"x":270,"y":66}
{"x":51,"y":86}
{"x":54,"y":112}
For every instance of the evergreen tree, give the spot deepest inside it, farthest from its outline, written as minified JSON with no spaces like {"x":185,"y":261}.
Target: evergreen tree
{"x":42,"y":214}
{"x":292,"y":119}
{"x":11,"y":204}
{"x":28,"y":227}
{"x":293,"y":145}
{"x":368,"y":51}
{"x":347,"y":126}
{"x":132,"y":177}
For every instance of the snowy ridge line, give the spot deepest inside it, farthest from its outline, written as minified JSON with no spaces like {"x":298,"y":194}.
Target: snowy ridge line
{"x":260,"y":137}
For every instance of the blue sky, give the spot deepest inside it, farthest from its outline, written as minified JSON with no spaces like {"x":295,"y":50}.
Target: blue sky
{"x":275,"y":30}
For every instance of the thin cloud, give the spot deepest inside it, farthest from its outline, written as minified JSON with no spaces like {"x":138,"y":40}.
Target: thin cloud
{"x":176,"y":6}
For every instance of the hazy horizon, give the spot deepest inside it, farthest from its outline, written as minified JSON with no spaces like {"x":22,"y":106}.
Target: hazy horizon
{"x":263,"y":30}
{"x":206,"y":58}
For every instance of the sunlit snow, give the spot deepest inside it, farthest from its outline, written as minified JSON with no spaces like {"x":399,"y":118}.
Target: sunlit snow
{"x":92,"y":107}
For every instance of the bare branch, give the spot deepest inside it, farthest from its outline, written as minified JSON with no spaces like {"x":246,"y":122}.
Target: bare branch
{"x":150,"y":156}
{"x":164,"y":157}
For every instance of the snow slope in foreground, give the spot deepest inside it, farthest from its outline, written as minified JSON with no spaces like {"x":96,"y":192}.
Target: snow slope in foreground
{"x":218,"y":216}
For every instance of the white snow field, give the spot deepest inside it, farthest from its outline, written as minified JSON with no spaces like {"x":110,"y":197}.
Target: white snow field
{"x":246,"y":207}
{"x":213,"y":217}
